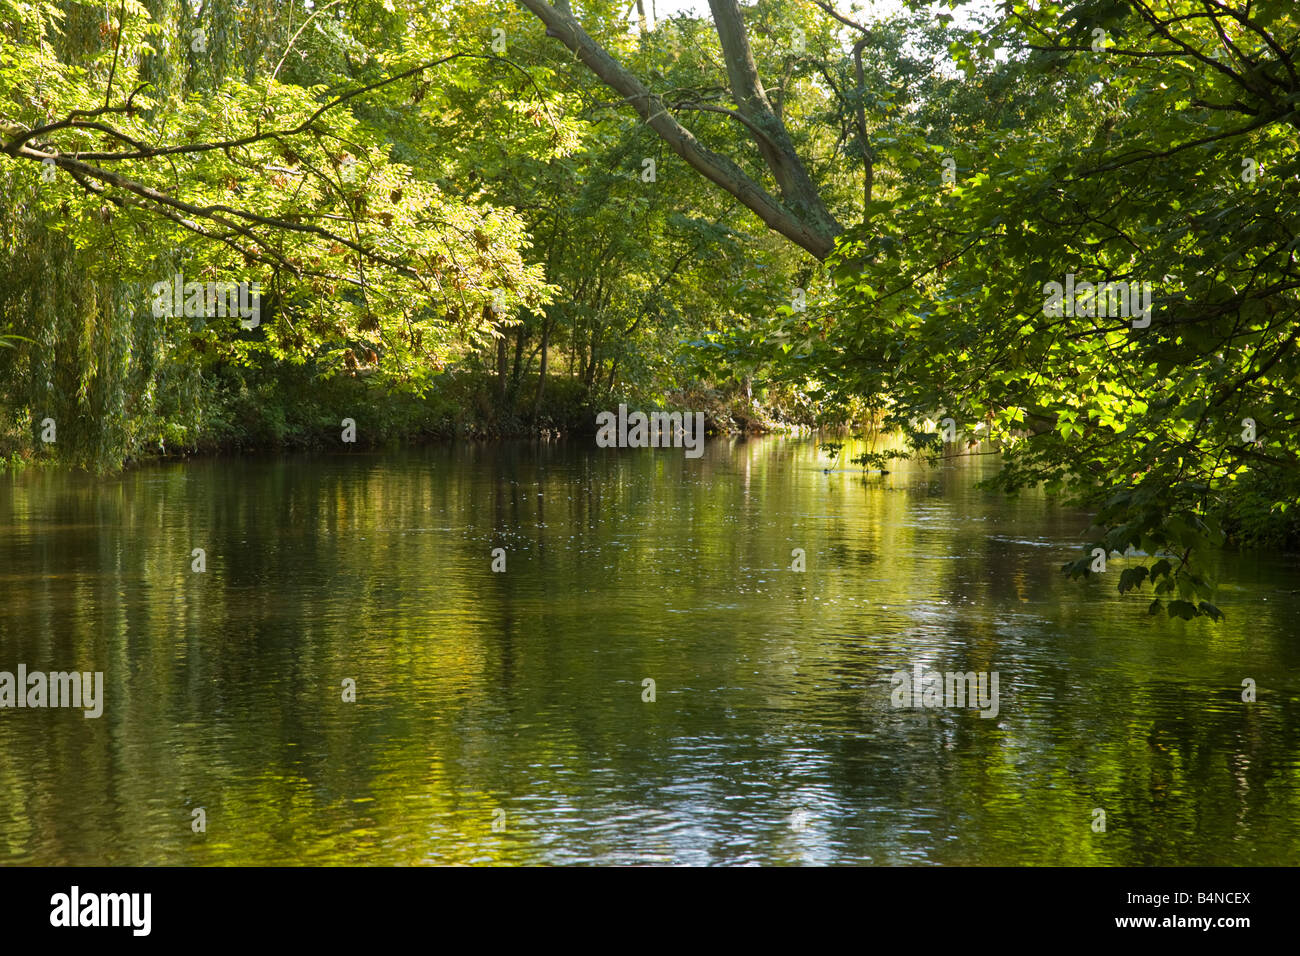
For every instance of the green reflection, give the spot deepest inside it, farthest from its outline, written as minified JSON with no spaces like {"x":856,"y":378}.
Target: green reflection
{"x":521,"y":692}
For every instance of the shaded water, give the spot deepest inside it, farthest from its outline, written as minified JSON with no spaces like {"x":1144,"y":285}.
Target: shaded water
{"x":515,"y":698}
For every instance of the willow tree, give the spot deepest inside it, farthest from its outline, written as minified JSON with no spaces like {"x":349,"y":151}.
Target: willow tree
{"x":164,"y":138}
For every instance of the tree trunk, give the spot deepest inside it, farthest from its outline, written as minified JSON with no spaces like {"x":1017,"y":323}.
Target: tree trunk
{"x":797,"y":189}
{"x":520,"y":336}
{"x":503,"y":368}
{"x":541,"y":376}
{"x":805,"y":221}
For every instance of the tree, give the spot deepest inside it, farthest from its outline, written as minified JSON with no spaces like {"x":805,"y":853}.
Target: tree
{"x":1117,"y":145}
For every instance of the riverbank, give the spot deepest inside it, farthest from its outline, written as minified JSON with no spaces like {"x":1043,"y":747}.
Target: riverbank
{"x":291,"y":412}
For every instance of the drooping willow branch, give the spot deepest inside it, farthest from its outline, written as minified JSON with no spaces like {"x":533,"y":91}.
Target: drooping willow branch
{"x":84,"y":168}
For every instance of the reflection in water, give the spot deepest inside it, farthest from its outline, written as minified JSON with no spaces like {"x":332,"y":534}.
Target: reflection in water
{"x":771,"y":738}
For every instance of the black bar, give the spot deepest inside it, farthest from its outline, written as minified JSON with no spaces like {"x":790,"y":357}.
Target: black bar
{"x":927,"y":905}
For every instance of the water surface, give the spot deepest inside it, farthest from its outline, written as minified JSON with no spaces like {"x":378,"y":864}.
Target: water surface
{"x":515,"y":699}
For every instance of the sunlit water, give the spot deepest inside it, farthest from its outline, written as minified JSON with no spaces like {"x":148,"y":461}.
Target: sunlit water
{"x":499,"y":717}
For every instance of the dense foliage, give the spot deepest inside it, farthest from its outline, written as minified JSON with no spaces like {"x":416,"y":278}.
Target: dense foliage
{"x":1168,"y":156}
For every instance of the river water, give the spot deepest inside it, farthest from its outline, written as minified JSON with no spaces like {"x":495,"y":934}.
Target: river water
{"x":504,"y":716}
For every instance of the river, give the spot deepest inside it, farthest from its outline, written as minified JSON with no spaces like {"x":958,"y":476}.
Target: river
{"x":507,"y":716}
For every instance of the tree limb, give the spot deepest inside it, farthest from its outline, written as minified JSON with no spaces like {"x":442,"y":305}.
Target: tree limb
{"x":814,"y":234}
